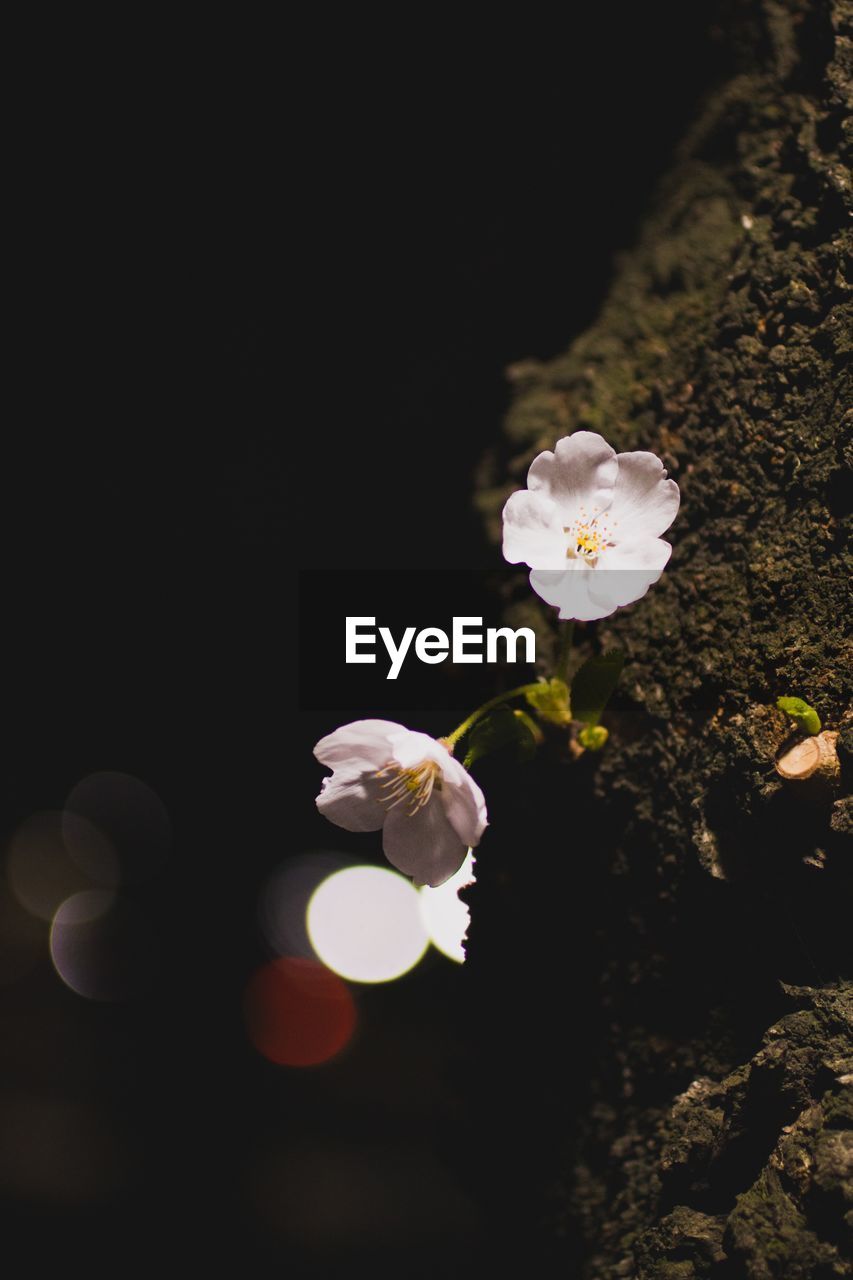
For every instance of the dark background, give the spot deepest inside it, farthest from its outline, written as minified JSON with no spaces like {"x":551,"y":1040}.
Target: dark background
{"x":271,"y":281}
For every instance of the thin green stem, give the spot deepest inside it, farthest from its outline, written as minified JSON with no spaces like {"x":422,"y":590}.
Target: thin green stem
{"x":460,"y":731}
{"x":561,"y":667}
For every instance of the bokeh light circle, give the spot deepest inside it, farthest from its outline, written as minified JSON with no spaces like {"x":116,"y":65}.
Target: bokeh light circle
{"x":283,"y":901}
{"x":40,"y":871}
{"x":298,"y":1013}
{"x":446,"y":918}
{"x":365,"y":924}
{"x":102,"y":947}
{"x":129,"y":813}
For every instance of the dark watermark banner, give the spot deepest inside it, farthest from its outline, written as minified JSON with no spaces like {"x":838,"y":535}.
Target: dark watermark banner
{"x":423,"y":638}
{"x":433,"y":638}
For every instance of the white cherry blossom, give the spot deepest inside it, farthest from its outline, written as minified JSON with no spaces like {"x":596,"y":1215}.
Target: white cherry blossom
{"x":386,"y":776}
{"x":589,"y":523}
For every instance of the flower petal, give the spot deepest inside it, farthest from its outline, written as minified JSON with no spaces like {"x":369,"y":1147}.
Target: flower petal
{"x":581,"y":472}
{"x":643,"y":555}
{"x":350,"y":797}
{"x":409,"y":748}
{"x":463,"y":800}
{"x":533,"y":531}
{"x":625,"y":573}
{"x":464,"y":803}
{"x":644,"y":502}
{"x":423,"y":845}
{"x":364,"y":742}
{"x":571,"y":591}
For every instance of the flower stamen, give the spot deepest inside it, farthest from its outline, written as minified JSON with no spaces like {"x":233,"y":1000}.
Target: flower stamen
{"x":587,"y":538}
{"x":414,"y":786}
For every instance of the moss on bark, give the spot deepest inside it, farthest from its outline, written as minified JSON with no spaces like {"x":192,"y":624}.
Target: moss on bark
{"x":690,"y":1139}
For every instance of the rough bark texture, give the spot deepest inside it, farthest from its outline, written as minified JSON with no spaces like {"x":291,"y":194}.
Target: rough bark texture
{"x":701,"y":958}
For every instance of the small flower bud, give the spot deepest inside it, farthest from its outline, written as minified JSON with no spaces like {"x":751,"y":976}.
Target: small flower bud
{"x":550,"y":701}
{"x":593,"y":736}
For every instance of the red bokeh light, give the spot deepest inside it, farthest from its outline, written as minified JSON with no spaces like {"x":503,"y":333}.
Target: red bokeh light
{"x":298,"y":1013}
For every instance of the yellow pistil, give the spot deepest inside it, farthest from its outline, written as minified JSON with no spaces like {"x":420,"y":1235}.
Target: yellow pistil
{"x":587,"y":538}
{"x":415,"y":785}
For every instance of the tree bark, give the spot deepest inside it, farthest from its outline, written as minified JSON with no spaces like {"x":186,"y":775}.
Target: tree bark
{"x":661,"y":940}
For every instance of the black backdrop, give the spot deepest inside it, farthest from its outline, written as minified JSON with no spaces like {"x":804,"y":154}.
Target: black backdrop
{"x":271,"y":282}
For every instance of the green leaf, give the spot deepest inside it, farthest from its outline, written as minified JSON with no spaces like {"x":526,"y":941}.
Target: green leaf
{"x":550,"y":701}
{"x":804,"y":716}
{"x":502,"y":728}
{"x":593,"y":684}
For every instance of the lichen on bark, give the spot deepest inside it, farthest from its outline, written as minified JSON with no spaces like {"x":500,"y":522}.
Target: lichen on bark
{"x":707,"y":1132}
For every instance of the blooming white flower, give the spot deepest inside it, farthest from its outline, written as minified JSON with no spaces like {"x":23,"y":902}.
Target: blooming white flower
{"x":589,"y":524}
{"x":430,"y":809}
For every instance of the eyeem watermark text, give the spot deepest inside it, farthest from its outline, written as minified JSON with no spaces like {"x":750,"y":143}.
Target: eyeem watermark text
{"x":467,"y":642}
